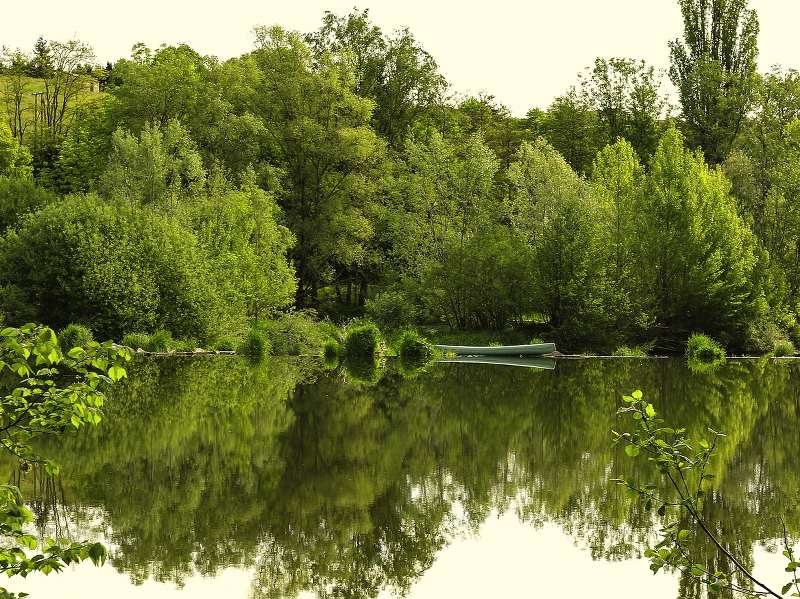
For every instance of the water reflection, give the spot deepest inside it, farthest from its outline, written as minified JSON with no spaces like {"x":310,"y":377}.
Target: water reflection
{"x":349,"y":481}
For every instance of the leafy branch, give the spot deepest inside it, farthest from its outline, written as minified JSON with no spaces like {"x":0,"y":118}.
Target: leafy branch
{"x":684,"y":465}
{"x":46,"y":391}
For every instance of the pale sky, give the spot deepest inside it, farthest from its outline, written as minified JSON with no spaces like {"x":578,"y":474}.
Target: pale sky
{"x":522,"y":52}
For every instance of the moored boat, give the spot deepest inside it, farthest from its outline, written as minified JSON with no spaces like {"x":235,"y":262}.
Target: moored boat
{"x":536,"y":349}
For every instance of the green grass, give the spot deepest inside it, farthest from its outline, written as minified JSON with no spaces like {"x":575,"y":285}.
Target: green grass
{"x":36,"y":85}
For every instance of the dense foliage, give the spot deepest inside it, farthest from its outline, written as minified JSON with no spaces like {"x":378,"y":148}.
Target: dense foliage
{"x":47,"y":388}
{"x":332,"y":171}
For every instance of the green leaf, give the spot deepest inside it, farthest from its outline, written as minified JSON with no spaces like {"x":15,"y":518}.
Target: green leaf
{"x":786,"y":588}
{"x":637,"y":394}
{"x":76,"y":352}
{"x":116,"y":372}
{"x":650,"y":411}
{"x":632,"y":450}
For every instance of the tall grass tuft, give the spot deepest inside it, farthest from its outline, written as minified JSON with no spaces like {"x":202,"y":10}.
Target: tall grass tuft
{"x":255,"y":345}
{"x":363,"y":340}
{"x":413,"y":346}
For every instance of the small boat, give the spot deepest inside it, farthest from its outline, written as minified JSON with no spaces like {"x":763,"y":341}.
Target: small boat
{"x":540,"y":363}
{"x":537,"y":349}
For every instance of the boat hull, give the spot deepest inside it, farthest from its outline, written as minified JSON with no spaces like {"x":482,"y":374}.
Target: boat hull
{"x":538,"y":349}
{"x":517,"y":361}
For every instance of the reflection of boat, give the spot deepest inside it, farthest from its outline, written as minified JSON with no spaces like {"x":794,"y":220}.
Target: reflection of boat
{"x":537,"y":349}
{"x":542,"y":363}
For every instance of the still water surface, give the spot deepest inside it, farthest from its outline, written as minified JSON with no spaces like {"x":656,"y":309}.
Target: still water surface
{"x":216,"y":478}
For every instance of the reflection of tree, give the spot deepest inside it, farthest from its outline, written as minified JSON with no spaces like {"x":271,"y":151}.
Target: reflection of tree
{"x":345,"y":487}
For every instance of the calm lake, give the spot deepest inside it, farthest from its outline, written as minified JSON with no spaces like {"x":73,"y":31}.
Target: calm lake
{"x":210,"y":477}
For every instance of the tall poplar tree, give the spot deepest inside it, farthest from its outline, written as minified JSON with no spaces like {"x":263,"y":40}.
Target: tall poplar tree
{"x":714,"y":69}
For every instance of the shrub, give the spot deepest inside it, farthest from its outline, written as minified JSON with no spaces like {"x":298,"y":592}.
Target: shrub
{"x":413,"y":346}
{"x":703,"y":348}
{"x":295,"y":333}
{"x":136,"y":340}
{"x":762,"y":336}
{"x":363,"y":340}
{"x":255,"y":345}
{"x":74,"y":335}
{"x":331,"y":349}
{"x":391,"y":309}
{"x":783,"y":348}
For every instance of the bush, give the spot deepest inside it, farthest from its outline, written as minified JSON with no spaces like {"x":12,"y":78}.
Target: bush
{"x":703,"y":348}
{"x":331,"y":349}
{"x":136,"y":340}
{"x":255,"y":345}
{"x":295,"y":333}
{"x":783,"y":348}
{"x":74,"y":335}
{"x":413,"y":346}
{"x":762,"y":336}
{"x":363,"y":340}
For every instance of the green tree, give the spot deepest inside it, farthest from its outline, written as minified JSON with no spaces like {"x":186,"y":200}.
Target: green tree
{"x":247,"y":248}
{"x":553,"y":209}
{"x":114,"y":267}
{"x":571,"y":125}
{"x":617,"y":185}
{"x":698,"y":256}
{"x":326,"y":149}
{"x":15,"y":159}
{"x":159,"y":167}
{"x":714,"y":69}
{"x":394,"y":71}
{"x":627,"y":97}
{"x":18,"y":197}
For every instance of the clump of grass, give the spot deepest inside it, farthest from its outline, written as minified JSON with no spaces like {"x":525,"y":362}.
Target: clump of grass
{"x":136,"y":340}
{"x":413,"y":346}
{"x":783,"y":348}
{"x":255,"y":345}
{"x":225,"y":344}
{"x":704,"y":348}
{"x":536,"y":341}
{"x":630,"y":352}
{"x":159,"y":342}
{"x":331,"y":349}
{"x":74,"y":335}
{"x":703,"y":353}
{"x":363,"y":340}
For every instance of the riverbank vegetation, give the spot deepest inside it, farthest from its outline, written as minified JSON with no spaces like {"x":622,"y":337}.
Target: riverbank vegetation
{"x":335,"y":175}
